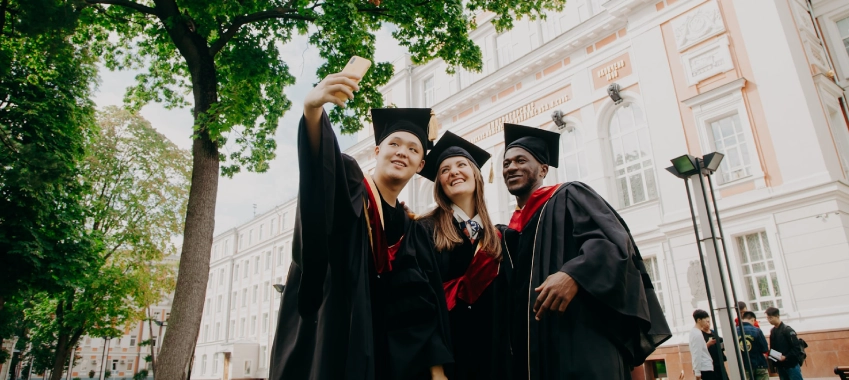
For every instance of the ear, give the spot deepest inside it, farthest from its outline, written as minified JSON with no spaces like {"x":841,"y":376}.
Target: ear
{"x":421,"y":166}
{"x":543,"y":170}
{"x":376,"y":150}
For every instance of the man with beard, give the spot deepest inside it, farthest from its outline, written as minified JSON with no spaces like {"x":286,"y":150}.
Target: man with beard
{"x":362,"y":300}
{"x":582,"y":304}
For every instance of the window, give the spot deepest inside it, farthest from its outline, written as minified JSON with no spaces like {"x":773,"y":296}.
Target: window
{"x":242,"y":328}
{"x":504,"y":47}
{"x":247,"y":367}
{"x":218,"y":304}
{"x":221,"y":277}
{"x":268,"y":260}
{"x":236,"y":273}
{"x":271,"y":228}
{"x":250,"y":237}
{"x":232,"y":329}
{"x":283,"y":220}
{"x":253,"y":325}
{"x":153,"y":341}
{"x":728,"y":139}
{"x":114,"y":364}
{"x":428,"y":92}
{"x":208,"y":306}
{"x":206,"y":333}
{"x":203,"y":365}
{"x":233,"y":301}
{"x":654,"y":274}
{"x":573,"y":160}
{"x":553,"y":25}
{"x":244,"y":297}
{"x":217,"y":330}
{"x":632,"y":159}
{"x":265,"y":323}
{"x":227,"y":247}
{"x":210,"y":281}
{"x":245,"y":266}
{"x":255,"y":292}
{"x":214,"y":363}
{"x":261,"y":227}
{"x":759,"y":272}
{"x":262,"y":353}
{"x":265,"y":290}
{"x":256,"y":265}
{"x":241,"y":241}
{"x":843,"y":28}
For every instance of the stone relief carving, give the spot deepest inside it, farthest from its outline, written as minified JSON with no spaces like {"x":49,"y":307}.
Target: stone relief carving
{"x":697,"y":283}
{"x":697,"y":25}
{"x":707,"y":61}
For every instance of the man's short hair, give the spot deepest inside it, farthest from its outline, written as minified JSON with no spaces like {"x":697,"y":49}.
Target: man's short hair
{"x":750,"y":315}
{"x":742,"y":306}
{"x":700,"y":314}
{"x":773,"y":312}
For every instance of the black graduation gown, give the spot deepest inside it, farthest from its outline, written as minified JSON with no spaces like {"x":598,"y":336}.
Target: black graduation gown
{"x":614,"y":322}
{"x":479,"y":332}
{"x":339,"y":318}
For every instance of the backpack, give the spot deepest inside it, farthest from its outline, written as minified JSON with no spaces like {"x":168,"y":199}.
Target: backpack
{"x":802,"y":346}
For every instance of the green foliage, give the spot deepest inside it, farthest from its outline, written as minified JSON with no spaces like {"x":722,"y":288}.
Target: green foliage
{"x":244,"y":81}
{"x":141,"y":375}
{"x":45,"y":115}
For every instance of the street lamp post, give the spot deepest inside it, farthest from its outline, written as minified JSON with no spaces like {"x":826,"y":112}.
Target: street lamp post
{"x":103,"y":358}
{"x":692,"y":169}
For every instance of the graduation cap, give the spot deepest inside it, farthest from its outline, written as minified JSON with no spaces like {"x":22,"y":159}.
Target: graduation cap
{"x":421,"y":122}
{"x":543,"y":145}
{"x":451,"y":145}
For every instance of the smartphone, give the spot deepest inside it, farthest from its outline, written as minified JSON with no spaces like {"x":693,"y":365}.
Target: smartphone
{"x":356,"y":66}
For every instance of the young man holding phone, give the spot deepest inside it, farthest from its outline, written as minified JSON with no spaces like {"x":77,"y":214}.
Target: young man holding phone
{"x":362,"y":299}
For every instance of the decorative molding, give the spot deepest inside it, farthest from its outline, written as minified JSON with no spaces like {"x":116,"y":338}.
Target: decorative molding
{"x":714,"y":94}
{"x":698,"y":25}
{"x":707,"y":61}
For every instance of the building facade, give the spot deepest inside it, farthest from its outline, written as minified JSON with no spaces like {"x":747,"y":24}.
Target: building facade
{"x":762,"y":81}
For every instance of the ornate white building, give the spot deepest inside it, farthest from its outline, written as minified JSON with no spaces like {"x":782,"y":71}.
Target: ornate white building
{"x":762,"y":81}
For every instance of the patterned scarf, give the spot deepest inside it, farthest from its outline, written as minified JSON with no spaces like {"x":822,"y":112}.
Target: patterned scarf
{"x":470,"y":226}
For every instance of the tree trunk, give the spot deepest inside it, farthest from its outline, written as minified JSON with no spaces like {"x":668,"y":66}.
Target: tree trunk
{"x":187,"y":308}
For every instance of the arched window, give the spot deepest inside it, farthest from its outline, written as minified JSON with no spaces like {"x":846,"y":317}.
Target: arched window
{"x":632,"y":158}
{"x":573,"y":160}
{"x":203,"y":365}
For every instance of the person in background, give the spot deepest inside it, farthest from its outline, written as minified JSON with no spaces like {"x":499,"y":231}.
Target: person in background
{"x":743,"y":308}
{"x":782,"y":338}
{"x":701,"y":359}
{"x":754,"y":346}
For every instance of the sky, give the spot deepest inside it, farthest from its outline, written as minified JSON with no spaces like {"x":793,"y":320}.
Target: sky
{"x":237,"y":196}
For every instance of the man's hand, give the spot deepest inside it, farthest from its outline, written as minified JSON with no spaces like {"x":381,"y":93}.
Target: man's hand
{"x":437,"y":373}
{"x":325,"y":92}
{"x":711,"y":342}
{"x":783,"y":358}
{"x":555,"y":294}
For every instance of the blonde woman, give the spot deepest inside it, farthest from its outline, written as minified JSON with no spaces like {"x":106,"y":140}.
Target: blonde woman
{"x":470,"y":260}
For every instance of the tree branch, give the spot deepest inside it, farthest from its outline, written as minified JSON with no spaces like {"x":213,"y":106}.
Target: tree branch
{"x":276,"y":13}
{"x":127,"y":4}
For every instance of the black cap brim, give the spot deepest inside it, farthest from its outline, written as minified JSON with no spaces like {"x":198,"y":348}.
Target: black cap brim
{"x":390,"y":120}
{"x":451,"y":145}
{"x":543,"y":145}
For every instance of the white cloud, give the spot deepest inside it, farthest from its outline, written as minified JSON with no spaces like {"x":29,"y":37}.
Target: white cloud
{"x":237,"y":196}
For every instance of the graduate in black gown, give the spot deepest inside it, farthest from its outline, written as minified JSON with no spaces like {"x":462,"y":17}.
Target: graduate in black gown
{"x":471,"y":262}
{"x":582,"y":303}
{"x":362,"y":299}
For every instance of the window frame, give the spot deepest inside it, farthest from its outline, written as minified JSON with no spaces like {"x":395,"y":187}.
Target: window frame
{"x":611,"y":160}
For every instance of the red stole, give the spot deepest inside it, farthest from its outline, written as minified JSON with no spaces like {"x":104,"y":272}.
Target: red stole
{"x":481,"y":272}
{"x":382,"y":253}
{"x":539,"y":197}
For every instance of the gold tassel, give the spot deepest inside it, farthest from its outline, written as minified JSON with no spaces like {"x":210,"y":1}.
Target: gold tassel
{"x":491,"y":172}
{"x":432,"y":127}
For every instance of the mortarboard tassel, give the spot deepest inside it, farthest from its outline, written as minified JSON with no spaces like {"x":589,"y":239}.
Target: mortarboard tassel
{"x":491,"y":173}
{"x":432,"y":127}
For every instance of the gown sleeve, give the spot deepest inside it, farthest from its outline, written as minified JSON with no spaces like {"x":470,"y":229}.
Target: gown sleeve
{"x":609,"y":267}
{"x":419,"y":335}
{"x":330,"y":187}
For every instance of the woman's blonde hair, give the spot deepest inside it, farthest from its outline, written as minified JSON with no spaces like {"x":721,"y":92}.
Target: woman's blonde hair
{"x":445,"y":235}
